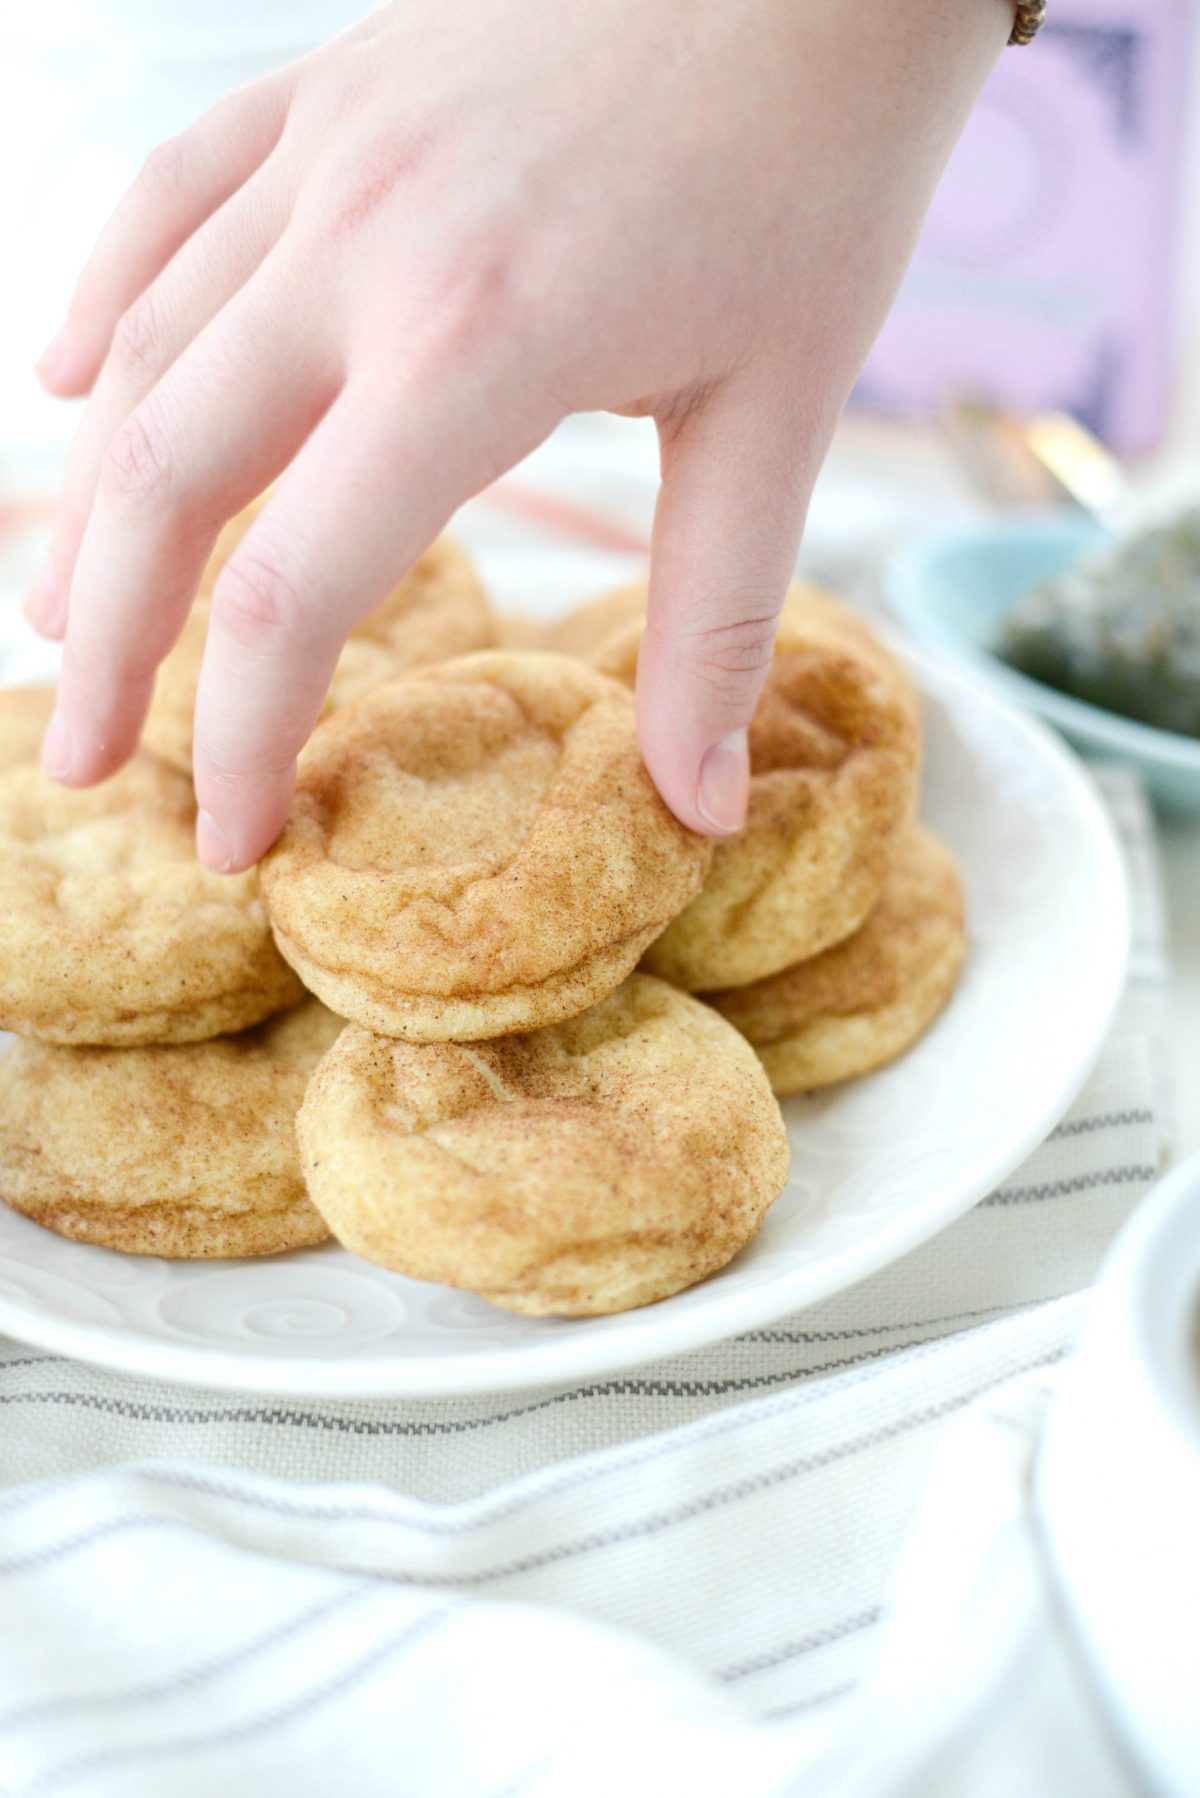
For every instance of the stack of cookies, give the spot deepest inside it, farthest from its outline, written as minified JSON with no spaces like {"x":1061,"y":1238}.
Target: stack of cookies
{"x":166,"y":1044}
{"x":830,"y":931}
{"x":451,"y":1019}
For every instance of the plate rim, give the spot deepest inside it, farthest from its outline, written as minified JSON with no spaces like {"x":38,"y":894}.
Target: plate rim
{"x":558,"y":1363}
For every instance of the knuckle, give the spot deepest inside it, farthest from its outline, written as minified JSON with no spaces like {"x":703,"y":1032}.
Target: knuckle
{"x":365,"y":187}
{"x":137,"y":337}
{"x":739,"y":650}
{"x":226,"y":769}
{"x":137,"y":463}
{"x":218,"y":769}
{"x":256,"y":602}
{"x":675,"y":414}
{"x":163,"y":170}
{"x":470,"y":310}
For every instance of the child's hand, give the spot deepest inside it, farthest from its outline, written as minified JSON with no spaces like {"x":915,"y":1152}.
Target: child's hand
{"x":386,"y":273}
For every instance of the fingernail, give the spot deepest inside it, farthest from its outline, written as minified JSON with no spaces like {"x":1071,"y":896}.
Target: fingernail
{"x":43,"y":603}
{"x":58,"y":752}
{"x":212,"y":845}
{"x":52,"y":357}
{"x":724,"y":784}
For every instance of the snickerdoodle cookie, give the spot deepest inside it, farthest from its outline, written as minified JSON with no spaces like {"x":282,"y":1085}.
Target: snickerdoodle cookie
{"x":603,"y":631}
{"x":185,"y":1151}
{"x":514,"y":630}
{"x":439,"y":609}
{"x":24,"y":714}
{"x":834,"y":749}
{"x":113,"y":932}
{"x":864,"y":1001}
{"x":476,"y":849}
{"x":589,"y":1167}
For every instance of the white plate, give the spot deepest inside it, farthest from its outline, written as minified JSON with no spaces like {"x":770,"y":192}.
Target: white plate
{"x":877,"y":1166}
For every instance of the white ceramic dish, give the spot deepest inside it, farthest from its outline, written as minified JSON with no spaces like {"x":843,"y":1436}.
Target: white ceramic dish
{"x":1119,"y":1485}
{"x":877,"y":1166}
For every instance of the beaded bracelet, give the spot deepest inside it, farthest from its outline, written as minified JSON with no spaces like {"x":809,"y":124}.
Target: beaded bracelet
{"x":1030,"y":17}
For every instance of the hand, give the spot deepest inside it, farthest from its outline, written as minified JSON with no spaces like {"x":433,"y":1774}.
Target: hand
{"x":386,"y":273}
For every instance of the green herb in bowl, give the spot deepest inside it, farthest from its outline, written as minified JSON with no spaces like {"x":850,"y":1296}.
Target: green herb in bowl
{"x":1120,"y":627}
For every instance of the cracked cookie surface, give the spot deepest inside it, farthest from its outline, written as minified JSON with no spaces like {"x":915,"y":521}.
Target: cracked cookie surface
{"x":113,"y":932}
{"x":185,"y":1150}
{"x":599,"y":1164}
{"x":834,"y":753}
{"x":477,"y":849}
{"x":866,"y":1000}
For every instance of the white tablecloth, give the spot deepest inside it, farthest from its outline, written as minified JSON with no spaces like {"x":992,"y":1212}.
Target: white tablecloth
{"x":691,"y":1578}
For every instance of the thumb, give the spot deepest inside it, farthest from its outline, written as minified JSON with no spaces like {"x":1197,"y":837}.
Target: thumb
{"x":736,"y":477}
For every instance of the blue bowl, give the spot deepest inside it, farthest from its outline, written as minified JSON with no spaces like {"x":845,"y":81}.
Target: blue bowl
{"x":952,"y":591}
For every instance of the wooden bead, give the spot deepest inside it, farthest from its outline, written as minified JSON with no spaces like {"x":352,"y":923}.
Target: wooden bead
{"x":1030,"y":17}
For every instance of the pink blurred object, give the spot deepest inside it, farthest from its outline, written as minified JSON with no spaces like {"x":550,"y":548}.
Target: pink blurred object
{"x":1046,"y":273}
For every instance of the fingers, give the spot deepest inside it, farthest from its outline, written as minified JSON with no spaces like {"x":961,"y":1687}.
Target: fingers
{"x":210,"y":268}
{"x":181,"y":183}
{"x":227,"y":416}
{"x":737,"y":472}
{"x":369,"y":492}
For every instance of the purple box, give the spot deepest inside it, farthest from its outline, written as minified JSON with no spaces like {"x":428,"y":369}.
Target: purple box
{"x":1045,"y":275}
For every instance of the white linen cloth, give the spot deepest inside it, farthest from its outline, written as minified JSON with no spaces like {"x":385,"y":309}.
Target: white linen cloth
{"x":692,"y":1577}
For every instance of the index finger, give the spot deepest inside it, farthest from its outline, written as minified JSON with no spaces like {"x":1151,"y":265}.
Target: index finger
{"x":368,"y":493}
{"x":182,"y":182}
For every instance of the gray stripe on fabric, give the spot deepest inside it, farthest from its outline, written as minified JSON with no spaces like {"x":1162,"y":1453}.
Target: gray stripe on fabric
{"x":779,"y":1712}
{"x":1108,"y":1120}
{"x":188,"y":1678}
{"x":81,"y":1767}
{"x":805,"y":1645}
{"x":34,"y":1560}
{"x":657,"y":1522}
{"x":917,"y":1323}
{"x":143,"y":1412}
{"x":639,"y":1455}
{"x":654,"y":1524}
{"x":1058,"y":1189}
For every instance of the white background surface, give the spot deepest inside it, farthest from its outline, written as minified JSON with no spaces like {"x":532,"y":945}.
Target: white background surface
{"x":50,"y":201}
